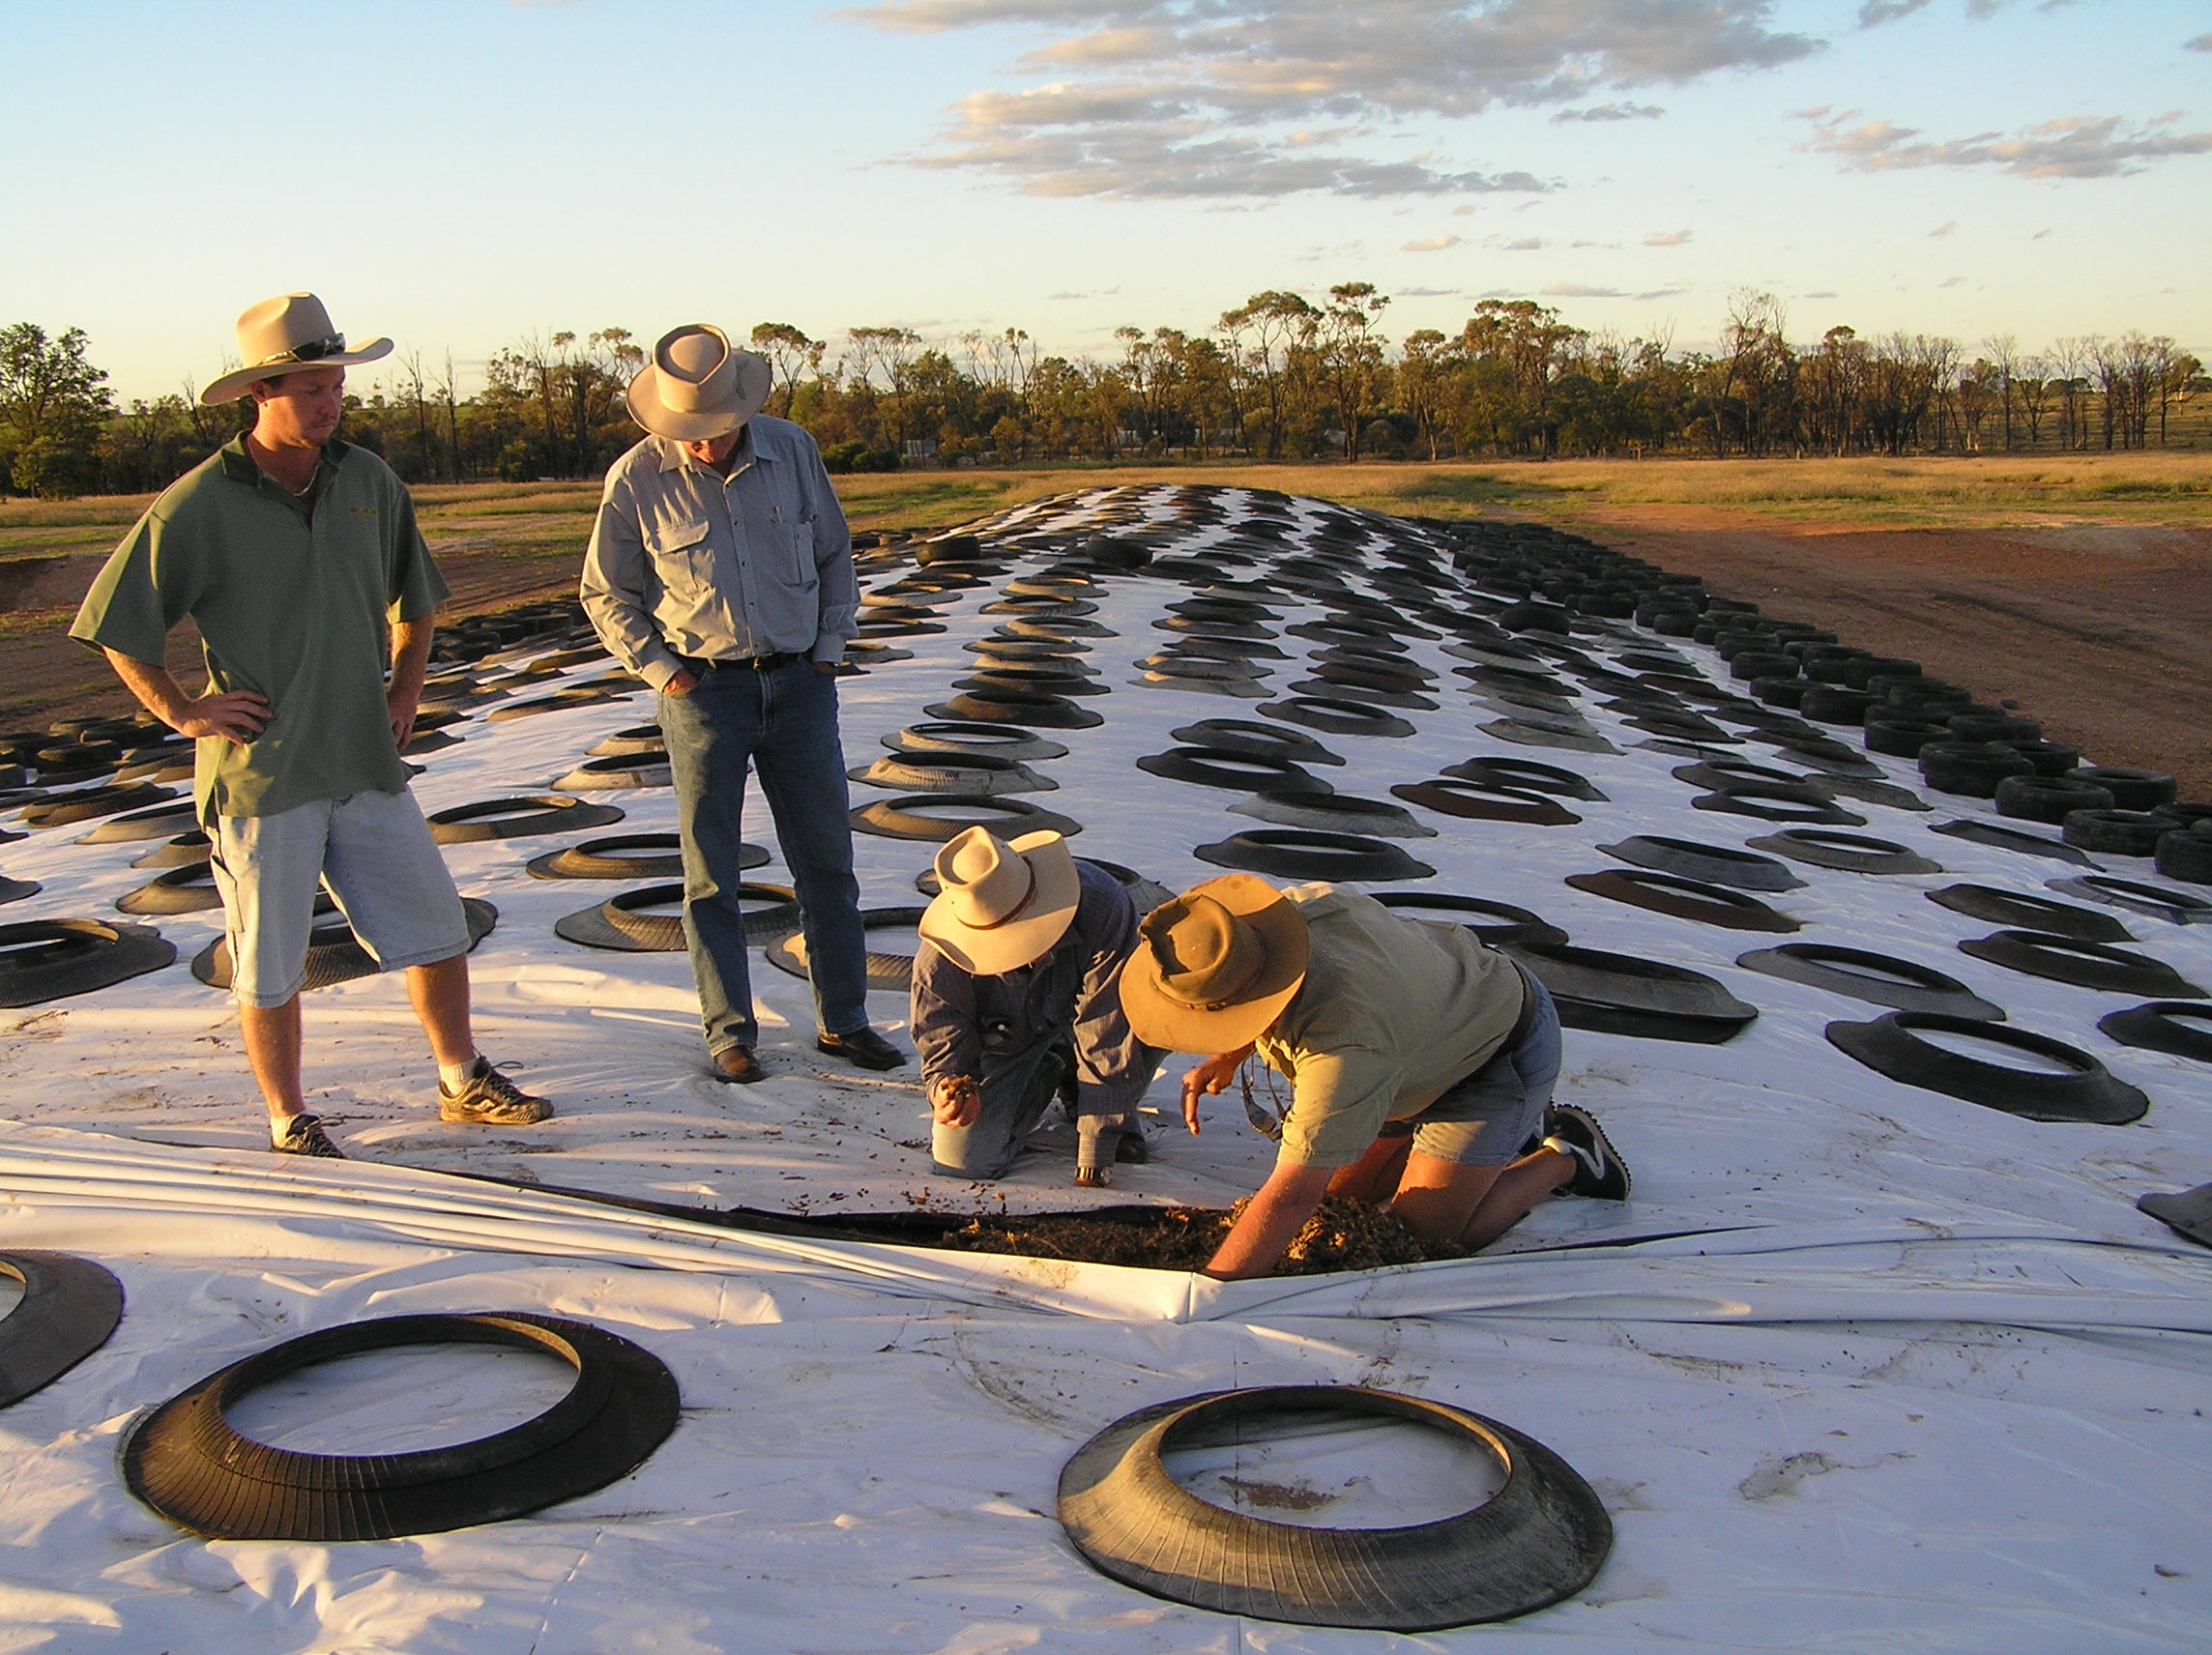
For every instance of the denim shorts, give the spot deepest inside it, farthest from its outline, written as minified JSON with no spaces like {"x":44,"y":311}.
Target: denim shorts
{"x":1487,"y":1119}
{"x":374,"y":852}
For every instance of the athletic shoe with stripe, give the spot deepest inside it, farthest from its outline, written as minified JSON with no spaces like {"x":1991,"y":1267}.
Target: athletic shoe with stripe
{"x":303,"y":1135}
{"x":1599,"y":1171}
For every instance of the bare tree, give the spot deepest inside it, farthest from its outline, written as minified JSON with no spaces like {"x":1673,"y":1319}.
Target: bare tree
{"x":2003,"y":352}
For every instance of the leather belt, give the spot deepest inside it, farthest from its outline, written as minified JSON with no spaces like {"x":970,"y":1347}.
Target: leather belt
{"x":756,"y":663}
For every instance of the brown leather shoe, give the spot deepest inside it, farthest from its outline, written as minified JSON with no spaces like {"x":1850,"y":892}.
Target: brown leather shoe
{"x":737,"y":1065}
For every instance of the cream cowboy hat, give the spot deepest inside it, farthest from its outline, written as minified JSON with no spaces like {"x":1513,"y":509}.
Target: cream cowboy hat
{"x":698,"y":385}
{"x":1001,"y":906}
{"x":282,"y":336}
{"x":1215,"y":965}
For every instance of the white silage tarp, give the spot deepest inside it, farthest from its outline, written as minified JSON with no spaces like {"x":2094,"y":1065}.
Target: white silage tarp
{"x":1860,"y":1367}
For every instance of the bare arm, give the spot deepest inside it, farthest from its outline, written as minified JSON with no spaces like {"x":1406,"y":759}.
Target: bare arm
{"x":1259,"y":1238}
{"x":238,"y":714}
{"x":1212,"y":1076}
{"x":410,"y":658}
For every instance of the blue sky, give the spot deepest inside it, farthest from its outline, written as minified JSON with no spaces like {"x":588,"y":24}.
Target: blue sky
{"x":462,"y":173}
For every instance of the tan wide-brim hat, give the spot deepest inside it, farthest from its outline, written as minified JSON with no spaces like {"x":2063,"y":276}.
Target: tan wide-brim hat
{"x":698,"y":385}
{"x":1215,"y":965}
{"x":1002,"y":905}
{"x":286,"y":335}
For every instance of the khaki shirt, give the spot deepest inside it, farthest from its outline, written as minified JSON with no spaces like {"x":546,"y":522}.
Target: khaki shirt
{"x":293,"y":602}
{"x":1392,"y":1013}
{"x":685,"y":563}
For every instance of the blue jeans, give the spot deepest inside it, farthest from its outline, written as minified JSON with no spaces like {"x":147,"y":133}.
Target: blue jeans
{"x":784,"y":723}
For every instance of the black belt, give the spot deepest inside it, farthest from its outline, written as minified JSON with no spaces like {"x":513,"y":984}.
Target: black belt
{"x":757,"y":664}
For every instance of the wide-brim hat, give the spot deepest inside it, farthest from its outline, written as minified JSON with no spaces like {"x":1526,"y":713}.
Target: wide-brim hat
{"x":1000,"y":904}
{"x":1215,"y":965}
{"x":698,"y":385}
{"x":287,"y":334}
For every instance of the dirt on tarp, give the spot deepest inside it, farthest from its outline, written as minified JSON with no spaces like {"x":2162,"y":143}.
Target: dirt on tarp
{"x":1343,"y":1235}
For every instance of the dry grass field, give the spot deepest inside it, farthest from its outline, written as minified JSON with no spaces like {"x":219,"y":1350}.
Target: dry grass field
{"x":2080,"y":586}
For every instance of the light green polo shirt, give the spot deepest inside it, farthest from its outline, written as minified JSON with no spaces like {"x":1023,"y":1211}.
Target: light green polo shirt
{"x":292,"y":601}
{"x":1393,"y":1012}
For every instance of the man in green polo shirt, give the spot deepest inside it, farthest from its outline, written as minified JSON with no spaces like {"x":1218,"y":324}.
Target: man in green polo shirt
{"x":296,"y":555}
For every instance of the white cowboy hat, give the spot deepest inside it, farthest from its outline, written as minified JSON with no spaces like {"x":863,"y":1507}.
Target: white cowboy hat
{"x":1216,"y":967}
{"x":1001,"y":906}
{"x":284,"y":335}
{"x":698,"y":385}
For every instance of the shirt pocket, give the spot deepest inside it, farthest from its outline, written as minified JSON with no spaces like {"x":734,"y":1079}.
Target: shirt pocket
{"x":683,"y":557}
{"x":803,"y":573}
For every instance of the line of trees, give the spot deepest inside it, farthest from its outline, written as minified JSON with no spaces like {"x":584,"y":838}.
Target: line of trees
{"x":1278,"y":377}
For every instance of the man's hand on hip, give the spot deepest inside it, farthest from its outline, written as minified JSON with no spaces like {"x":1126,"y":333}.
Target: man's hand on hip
{"x":682,"y":683}
{"x":827,"y":669}
{"x":237,"y":715}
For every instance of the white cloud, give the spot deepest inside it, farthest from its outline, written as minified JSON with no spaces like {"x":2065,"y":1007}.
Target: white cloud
{"x":1943,"y":229}
{"x":1610,"y":112}
{"x":1268,"y":97}
{"x":1523,"y":245}
{"x":2198,"y":42}
{"x":1432,"y":245}
{"x":1430,"y":293}
{"x":2074,"y":146}
{"x":1576,"y":290}
{"x":1666,"y":239}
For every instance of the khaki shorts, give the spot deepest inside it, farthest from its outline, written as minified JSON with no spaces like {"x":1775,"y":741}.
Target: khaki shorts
{"x":372,"y":851}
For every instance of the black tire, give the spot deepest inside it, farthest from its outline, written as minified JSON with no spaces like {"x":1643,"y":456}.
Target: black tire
{"x":1016,"y":706}
{"x":1684,"y":899}
{"x":1849,"y":853}
{"x":908,"y":817}
{"x":1832,"y":704}
{"x":1995,"y":727}
{"x":2051,"y":759}
{"x":2185,"y":855}
{"x":1879,"y":979}
{"x":1768,"y":803}
{"x":2088,"y":1094}
{"x":2021,"y":910}
{"x":2016,"y":840}
{"x":187,"y":1461}
{"x":53,"y":959}
{"x":514,"y":818}
{"x":68,"y":1308}
{"x":621,"y":923}
{"x":1970,"y":768}
{"x":2116,"y":832}
{"x":59,"y":810}
{"x":1901,"y":738}
{"x":1250,"y":738}
{"x":334,"y":954}
{"x":1779,"y":691}
{"x":788,"y":952}
{"x":137,"y":826}
{"x":626,"y":857}
{"x":970,"y":736}
{"x":1527,"y":775}
{"x":1304,"y":854}
{"x":2157,"y":1026}
{"x":1478,"y":801}
{"x":1338,"y":717}
{"x":1238,"y":773}
{"x":1750,"y":665}
{"x":618,"y":771}
{"x":2175,"y":907}
{"x":1506,"y":923}
{"x":1541,"y":1539}
{"x":1333,"y":813}
{"x":1619,"y":994}
{"x":1710,"y":864}
{"x":2058,"y":958}
{"x":2131,"y":789}
{"x":189,"y":890}
{"x":2048,"y":798}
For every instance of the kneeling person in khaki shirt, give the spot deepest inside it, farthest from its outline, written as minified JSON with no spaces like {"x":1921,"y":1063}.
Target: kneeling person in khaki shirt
{"x":1421,"y":1062}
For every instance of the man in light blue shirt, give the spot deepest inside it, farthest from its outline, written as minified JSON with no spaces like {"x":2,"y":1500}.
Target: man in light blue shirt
{"x":720,"y":572}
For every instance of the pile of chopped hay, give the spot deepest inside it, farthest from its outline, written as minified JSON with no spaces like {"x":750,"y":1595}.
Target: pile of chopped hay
{"x":1343,"y":1235}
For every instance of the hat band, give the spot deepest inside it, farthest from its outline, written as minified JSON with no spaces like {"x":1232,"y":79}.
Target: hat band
{"x":1014,"y":913}
{"x":315,"y":350}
